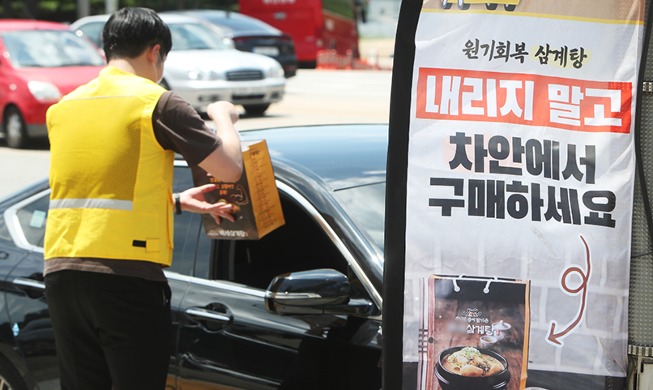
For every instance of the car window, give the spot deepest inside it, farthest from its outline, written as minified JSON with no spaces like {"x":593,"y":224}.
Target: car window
{"x":187,"y":36}
{"x":31,"y":217}
{"x":50,"y":48}
{"x":299,"y":245}
{"x":238,"y":23}
{"x":93,"y":31}
{"x":4,"y":231}
{"x":366,"y":207}
{"x":186,"y":227}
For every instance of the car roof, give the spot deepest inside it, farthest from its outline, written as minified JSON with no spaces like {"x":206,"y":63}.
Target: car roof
{"x":31,"y":24}
{"x":236,"y":23}
{"x":170,"y":18}
{"x":166,"y":17}
{"x":341,"y":155}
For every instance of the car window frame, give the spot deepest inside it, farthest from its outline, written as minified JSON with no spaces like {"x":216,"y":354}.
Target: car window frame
{"x":218,"y":246}
{"x":13,"y":223}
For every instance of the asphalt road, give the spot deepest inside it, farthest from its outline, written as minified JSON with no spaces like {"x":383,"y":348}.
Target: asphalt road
{"x":312,"y":97}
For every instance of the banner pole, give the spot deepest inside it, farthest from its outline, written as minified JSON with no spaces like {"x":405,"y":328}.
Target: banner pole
{"x":395,"y":224}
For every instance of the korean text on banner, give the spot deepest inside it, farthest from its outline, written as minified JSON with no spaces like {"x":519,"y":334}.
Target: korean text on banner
{"x":521,"y":165}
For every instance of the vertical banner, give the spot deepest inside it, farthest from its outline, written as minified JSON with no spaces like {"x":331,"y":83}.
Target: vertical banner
{"x":520,"y":170}
{"x":475,"y":333}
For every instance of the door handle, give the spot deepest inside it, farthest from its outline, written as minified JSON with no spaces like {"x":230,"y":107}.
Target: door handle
{"x":207,"y":315}
{"x":213,"y":317}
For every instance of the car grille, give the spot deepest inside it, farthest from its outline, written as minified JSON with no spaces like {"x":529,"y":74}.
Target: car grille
{"x":245,"y":75}
{"x":244,"y":98}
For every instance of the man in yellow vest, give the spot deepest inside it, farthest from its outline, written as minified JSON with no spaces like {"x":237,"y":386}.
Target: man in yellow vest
{"x":110,"y":223}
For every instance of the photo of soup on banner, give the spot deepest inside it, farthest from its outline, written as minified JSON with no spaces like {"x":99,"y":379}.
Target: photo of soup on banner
{"x":474,"y":333}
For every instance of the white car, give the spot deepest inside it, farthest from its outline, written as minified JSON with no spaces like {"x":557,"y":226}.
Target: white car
{"x":203,"y":66}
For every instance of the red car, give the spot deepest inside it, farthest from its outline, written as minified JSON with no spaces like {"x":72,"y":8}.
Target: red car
{"x":40,"y":62}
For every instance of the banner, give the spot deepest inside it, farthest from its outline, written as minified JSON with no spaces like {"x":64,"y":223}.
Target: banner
{"x":521,"y":165}
{"x":475,"y":333}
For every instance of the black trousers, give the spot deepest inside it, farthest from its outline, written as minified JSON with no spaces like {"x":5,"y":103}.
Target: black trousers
{"x":111,"y":332}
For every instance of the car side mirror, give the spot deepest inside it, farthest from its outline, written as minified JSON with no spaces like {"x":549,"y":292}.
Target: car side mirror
{"x":320,"y":291}
{"x":298,"y":292}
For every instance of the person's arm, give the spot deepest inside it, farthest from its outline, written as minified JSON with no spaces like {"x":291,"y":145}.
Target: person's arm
{"x":226,"y":162}
{"x":178,"y":127}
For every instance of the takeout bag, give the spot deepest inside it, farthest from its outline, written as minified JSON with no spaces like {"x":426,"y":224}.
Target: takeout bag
{"x":490,"y":315}
{"x":255,"y":195}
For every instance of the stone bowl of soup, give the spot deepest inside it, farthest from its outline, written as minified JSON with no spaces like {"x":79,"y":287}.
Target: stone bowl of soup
{"x":471,"y":368}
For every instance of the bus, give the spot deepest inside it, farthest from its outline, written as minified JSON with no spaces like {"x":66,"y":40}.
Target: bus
{"x":325,"y":32}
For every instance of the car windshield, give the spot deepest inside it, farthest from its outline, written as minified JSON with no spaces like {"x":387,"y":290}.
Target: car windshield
{"x":189,"y":36}
{"x":366,"y":207}
{"x":237,"y":23}
{"x":49,"y":49}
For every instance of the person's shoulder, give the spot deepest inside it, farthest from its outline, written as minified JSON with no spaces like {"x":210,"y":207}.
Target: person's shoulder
{"x":172,"y":101}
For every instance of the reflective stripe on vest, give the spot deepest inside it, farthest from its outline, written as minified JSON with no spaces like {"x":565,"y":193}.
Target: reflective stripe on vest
{"x":91,"y":204}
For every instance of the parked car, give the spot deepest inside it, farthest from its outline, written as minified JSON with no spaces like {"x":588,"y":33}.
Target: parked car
{"x":298,"y":309}
{"x":253,"y":35}
{"x":202,"y":68}
{"x":40,"y":62}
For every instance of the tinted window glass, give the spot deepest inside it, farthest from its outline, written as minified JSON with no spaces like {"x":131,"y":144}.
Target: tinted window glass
{"x":299,"y":245}
{"x":32,"y":217}
{"x":238,"y":23}
{"x":186,"y":229}
{"x":93,"y":31}
{"x":194,"y":37}
{"x":50,"y":48}
{"x":366,"y":206}
{"x":203,"y":263}
{"x":4,"y":231}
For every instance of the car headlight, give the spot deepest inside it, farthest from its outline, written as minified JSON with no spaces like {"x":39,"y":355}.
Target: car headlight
{"x":276,"y":71}
{"x":44,"y":91}
{"x":203,"y":75}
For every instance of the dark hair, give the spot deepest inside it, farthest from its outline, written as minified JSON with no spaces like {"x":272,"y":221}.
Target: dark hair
{"x":131,"y":30}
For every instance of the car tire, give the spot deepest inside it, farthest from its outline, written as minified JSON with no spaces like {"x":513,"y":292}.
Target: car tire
{"x":256,"y":109}
{"x":15,"y":129}
{"x":9,"y":377}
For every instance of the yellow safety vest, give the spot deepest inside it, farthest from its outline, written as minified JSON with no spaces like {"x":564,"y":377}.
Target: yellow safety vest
{"x":111,"y":181}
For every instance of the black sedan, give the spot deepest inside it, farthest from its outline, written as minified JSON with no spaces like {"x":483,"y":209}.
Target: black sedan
{"x":253,"y":35}
{"x":298,"y":309}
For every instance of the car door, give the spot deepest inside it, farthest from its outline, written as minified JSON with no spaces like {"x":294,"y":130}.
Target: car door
{"x":28,"y":316}
{"x":230,"y":339}
{"x":28,"y":319}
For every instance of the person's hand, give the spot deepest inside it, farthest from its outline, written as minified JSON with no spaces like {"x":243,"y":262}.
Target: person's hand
{"x":194,"y":200}
{"x":222,"y":108}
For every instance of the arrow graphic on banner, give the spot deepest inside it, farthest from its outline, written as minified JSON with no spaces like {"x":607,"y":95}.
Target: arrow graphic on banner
{"x":555,"y":337}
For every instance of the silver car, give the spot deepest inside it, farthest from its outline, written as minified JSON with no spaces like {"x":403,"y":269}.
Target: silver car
{"x":203,"y":66}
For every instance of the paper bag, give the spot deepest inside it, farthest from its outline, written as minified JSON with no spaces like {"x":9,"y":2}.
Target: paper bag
{"x":474,"y":333}
{"x":255,"y":195}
